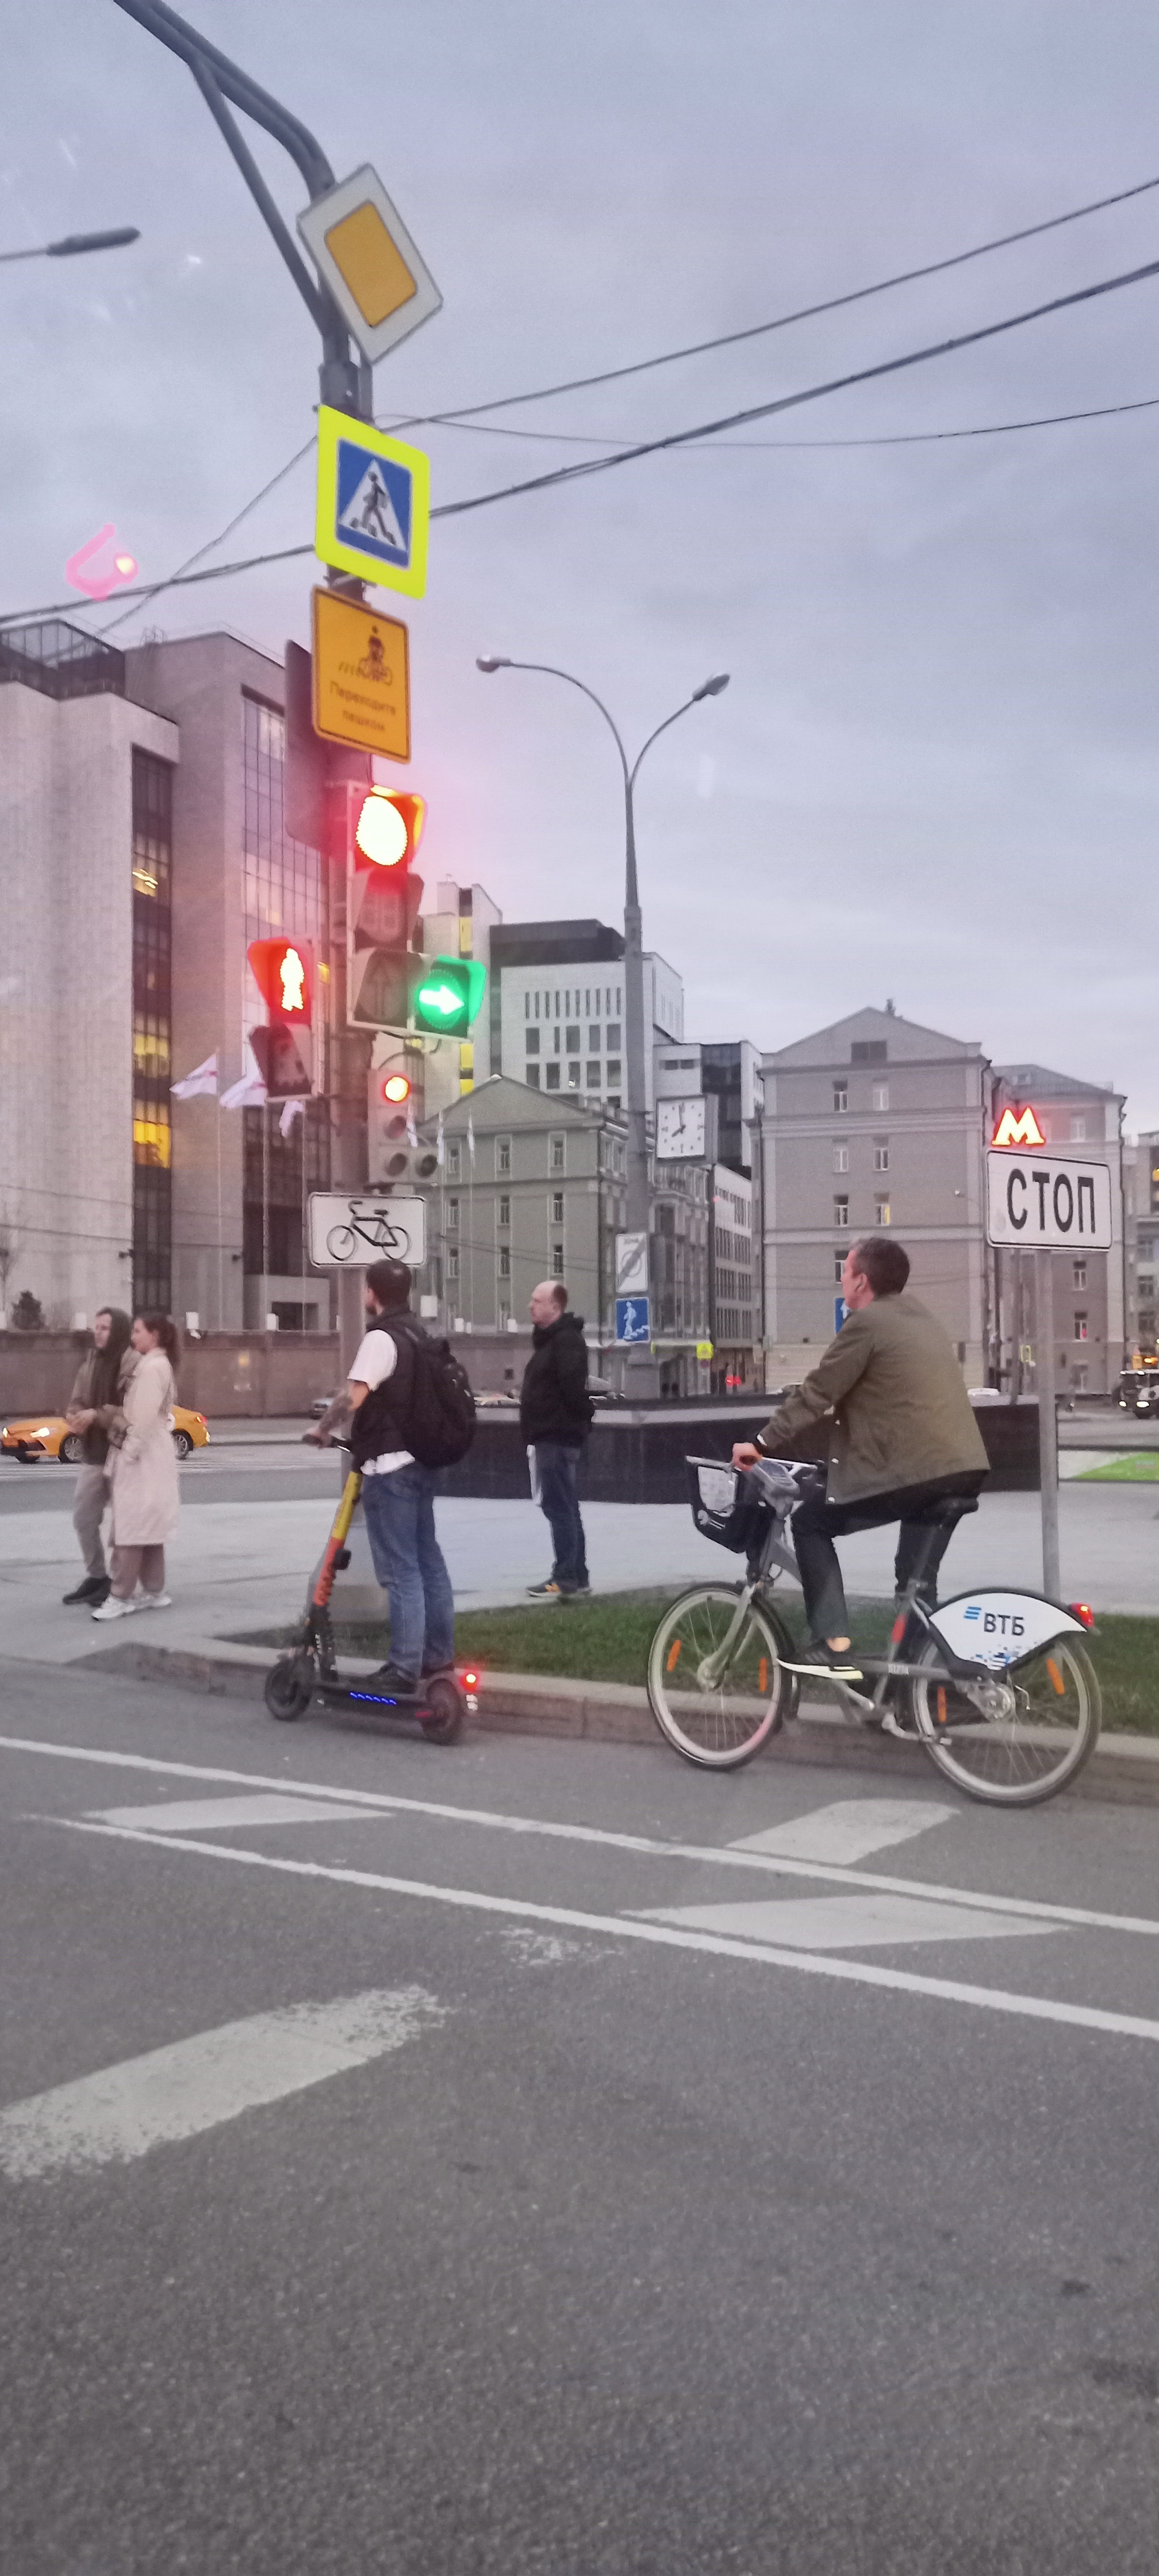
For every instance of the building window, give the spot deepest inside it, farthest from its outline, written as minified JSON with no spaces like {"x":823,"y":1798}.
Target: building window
{"x":532,"y":1073}
{"x":152,"y":856}
{"x":1078,"y":1131}
{"x":1079,"y":1377}
{"x":880,"y":1155}
{"x":881,"y":1095}
{"x":452,"y":1261}
{"x":841,"y":1158}
{"x":557,"y":1260}
{"x":454,"y":1159}
{"x":1080,"y":1274}
{"x":555,"y":1040}
{"x":557,"y":1208}
{"x":1080,"y":1328}
{"x":504,"y":1319}
{"x":552,"y":1071}
{"x":614,"y":1073}
{"x":612,"y":1037}
{"x":452,"y":1216}
{"x":840,"y":1096}
{"x":881,"y":1212}
{"x":572,"y":1045}
{"x":503,"y":1154}
{"x":505,"y":1208}
{"x":868,"y":1051}
{"x":558,"y":1163}
{"x":838,"y":1266}
{"x":594,"y":1075}
{"x":841,"y":1212}
{"x":531,"y":1041}
{"x":593,"y":1041}
{"x":527,"y":1006}
{"x":505,"y":1261}
{"x":573,"y":1077}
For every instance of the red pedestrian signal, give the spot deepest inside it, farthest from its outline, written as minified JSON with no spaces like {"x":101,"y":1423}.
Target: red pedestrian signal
{"x":283,"y":970}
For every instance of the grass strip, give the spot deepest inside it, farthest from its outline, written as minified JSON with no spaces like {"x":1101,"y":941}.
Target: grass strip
{"x":1142,"y":1468}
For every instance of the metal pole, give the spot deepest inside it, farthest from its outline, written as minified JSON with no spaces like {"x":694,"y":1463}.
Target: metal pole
{"x":220,"y":1245}
{"x":1047,"y":1423}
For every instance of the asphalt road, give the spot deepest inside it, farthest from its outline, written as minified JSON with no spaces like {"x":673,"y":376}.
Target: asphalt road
{"x":494,"y":2169}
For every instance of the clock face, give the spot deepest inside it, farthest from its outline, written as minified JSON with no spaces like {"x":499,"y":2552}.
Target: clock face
{"x":680,"y":1129}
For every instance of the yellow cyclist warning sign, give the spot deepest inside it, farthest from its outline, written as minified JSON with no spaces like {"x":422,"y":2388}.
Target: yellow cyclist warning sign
{"x":361,"y":676}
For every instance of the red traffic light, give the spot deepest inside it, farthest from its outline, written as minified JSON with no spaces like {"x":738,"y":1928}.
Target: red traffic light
{"x":395,"y":1087}
{"x":389,"y":827}
{"x":283,"y":970}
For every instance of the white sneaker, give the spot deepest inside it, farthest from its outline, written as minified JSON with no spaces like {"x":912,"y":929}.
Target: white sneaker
{"x":112,"y":1609}
{"x":153,"y":1601}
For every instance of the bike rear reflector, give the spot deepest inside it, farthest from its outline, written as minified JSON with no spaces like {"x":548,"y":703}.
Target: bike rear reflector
{"x":470,"y":1681}
{"x":1082,"y":1610}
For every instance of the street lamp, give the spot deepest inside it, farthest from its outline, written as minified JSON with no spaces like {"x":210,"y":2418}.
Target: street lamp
{"x":639,"y":1209}
{"x":76,"y":242}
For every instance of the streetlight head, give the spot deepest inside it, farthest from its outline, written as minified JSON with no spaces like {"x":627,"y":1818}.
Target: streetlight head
{"x":74,"y":242}
{"x":711,"y":688}
{"x":492,"y":662}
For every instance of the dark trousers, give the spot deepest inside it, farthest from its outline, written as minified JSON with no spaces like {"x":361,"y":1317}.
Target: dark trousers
{"x":817,"y":1523}
{"x":557,"y":1463}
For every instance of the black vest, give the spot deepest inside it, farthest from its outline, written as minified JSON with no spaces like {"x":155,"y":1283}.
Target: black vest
{"x":380,"y":1423}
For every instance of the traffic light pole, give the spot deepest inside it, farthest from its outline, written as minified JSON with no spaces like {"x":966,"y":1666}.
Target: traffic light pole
{"x":344,"y":384}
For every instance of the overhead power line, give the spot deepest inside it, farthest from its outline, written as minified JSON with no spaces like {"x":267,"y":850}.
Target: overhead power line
{"x":677,"y":438}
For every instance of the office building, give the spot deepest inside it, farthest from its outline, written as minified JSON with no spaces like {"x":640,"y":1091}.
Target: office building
{"x":556,"y":1018}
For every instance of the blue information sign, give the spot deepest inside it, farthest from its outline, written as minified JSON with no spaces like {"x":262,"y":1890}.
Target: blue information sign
{"x":840,"y":1311}
{"x":633,"y":1319}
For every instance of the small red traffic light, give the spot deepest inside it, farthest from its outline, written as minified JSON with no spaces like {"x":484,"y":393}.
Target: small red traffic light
{"x":283,"y":972}
{"x":389,"y":827}
{"x":396,"y":1087}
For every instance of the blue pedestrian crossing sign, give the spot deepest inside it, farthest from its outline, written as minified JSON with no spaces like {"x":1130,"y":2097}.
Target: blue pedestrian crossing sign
{"x":632,"y":1319}
{"x":373,"y":504}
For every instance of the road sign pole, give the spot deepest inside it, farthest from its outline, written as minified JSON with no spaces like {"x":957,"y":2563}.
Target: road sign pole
{"x":1047,"y":1423}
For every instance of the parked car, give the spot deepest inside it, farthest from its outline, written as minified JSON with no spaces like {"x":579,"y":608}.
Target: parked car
{"x":47,"y":1435}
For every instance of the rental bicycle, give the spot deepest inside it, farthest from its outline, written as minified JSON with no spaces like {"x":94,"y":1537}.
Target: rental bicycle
{"x":997,"y":1686}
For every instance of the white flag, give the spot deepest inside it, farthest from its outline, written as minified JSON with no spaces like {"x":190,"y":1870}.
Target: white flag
{"x":249,"y":1093}
{"x":440,"y":1148}
{"x":470,"y":1136}
{"x":202,"y":1078}
{"x":292,"y":1110}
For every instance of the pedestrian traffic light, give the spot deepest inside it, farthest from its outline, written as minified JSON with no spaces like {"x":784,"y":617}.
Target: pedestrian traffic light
{"x":283,"y":970}
{"x":395,"y":1155}
{"x":382,"y":832}
{"x":448,"y":995}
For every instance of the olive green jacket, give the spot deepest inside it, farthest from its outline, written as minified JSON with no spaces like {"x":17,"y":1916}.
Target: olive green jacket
{"x":901,"y":1414}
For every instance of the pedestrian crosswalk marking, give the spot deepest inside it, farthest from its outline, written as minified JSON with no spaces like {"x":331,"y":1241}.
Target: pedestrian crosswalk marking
{"x":848,"y":1830}
{"x":845,"y":1922}
{"x":193,"y":1815}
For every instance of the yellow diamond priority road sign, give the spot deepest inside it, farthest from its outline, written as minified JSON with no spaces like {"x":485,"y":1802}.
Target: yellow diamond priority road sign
{"x":361,"y":676}
{"x":365,"y":255}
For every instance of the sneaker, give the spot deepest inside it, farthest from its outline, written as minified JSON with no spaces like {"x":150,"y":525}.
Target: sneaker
{"x":154,"y":1601}
{"x":543,"y":1591}
{"x":822,"y":1658}
{"x":95,"y":1588}
{"x":393,"y":1683}
{"x":112,"y":1609}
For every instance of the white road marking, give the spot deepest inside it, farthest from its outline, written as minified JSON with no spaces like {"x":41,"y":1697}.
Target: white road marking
{"x":193,"y":1815}
{"x":172,"y":2093}
{"x":668,"y":1936}
{"x":847,"y":1922}
{"x":848,"y":1830}
{"x":721,"y":1855}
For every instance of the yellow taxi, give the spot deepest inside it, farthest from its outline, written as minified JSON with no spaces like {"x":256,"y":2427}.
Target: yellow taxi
{"x":47,"y":1435}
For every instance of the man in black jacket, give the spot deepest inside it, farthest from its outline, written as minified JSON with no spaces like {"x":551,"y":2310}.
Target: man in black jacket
{"x":555,"y":1413}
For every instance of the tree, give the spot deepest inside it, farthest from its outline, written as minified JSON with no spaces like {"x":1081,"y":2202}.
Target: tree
{"x":28,"y":1313}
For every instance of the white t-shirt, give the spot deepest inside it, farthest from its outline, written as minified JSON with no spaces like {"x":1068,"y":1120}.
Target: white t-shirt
{"x":376,"y":1359}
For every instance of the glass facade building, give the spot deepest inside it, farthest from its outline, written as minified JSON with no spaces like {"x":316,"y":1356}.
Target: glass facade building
{"x":152,"y":1031}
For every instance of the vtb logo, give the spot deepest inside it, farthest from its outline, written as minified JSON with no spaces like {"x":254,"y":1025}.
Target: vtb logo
{"x":1018,"y":1127}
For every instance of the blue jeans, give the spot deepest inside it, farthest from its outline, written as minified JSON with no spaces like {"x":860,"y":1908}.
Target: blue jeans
{"x":558,"y":1463}
{"x":400,"y":1524}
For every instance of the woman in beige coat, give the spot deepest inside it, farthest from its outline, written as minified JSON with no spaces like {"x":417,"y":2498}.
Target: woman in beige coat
{"x":144,"y":1474}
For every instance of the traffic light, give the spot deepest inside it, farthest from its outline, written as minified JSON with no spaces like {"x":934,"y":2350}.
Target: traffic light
{"x":448,"y":995}
{"x":394,"y":1153}
{"x":283,"y":970}
{"x":382,"y":830}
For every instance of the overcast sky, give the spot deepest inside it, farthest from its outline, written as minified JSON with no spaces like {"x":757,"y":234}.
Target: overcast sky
{"x":934,"y":775}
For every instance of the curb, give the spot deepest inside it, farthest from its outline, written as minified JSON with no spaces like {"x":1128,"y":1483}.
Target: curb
{"x":1122,"y":1768}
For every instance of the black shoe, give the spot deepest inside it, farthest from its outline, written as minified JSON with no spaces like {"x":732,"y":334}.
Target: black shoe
{"x":95,"y":1589}
{"x":820,"y":1657}
{"x":390,"y":1680}
{"x":543,"y":1591}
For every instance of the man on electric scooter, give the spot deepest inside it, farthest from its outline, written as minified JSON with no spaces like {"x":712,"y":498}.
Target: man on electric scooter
{"x":903,"y":1436}
{"x":397,"y":1493}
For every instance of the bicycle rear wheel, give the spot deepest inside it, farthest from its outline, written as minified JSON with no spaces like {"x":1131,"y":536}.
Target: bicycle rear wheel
{"x":717,"y":1718}
{"x":1012,"y":1738}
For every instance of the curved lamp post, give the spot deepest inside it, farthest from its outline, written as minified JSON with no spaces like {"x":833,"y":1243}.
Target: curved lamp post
{"x":634,"y":1029}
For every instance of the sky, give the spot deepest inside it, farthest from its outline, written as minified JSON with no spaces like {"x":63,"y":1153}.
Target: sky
{"x":933,"y":776}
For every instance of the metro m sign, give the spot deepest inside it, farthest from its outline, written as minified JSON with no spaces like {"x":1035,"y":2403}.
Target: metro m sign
{"x":1018,"y":1127}
{"x":1037,"y":1205}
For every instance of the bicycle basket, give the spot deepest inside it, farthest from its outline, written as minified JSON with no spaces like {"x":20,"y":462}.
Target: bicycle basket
{"x":726,"y":1506}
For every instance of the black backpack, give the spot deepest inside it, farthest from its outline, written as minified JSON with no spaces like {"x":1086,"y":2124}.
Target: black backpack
{"x":439,"y":1423}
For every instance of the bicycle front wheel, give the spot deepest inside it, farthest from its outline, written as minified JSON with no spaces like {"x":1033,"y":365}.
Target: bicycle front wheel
{"x":717,"y":1695}
{"x":1011,"y":1738}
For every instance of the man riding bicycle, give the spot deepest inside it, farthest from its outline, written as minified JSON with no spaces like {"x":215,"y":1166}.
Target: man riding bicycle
{"x":903,"y":1437}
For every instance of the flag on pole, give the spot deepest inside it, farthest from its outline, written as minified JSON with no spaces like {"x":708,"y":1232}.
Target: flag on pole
{"x":249,"y":1093}
{"x":412,"y":1133}
{"x":470,"y":1136}
{"x":202,"y":1078}
{"x":440,"y":1148}
{"x":292,"y":1110}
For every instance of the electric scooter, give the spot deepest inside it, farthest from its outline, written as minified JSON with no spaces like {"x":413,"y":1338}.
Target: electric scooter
{"x":308,"y":1673}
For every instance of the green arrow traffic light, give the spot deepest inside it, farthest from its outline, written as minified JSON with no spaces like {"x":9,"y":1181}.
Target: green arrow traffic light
{"x":449,"y":995}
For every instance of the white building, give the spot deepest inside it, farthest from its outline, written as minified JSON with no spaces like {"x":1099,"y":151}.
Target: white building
{"x":562,"y":1025}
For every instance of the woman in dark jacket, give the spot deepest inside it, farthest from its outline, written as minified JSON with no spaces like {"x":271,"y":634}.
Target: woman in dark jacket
{"x":95,"y":1410}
